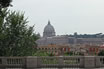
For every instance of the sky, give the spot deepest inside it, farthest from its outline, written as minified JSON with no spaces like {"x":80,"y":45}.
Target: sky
{"x":67,"y":16}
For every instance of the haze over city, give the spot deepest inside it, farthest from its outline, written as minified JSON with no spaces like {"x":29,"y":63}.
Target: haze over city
{"x":67,"y":16}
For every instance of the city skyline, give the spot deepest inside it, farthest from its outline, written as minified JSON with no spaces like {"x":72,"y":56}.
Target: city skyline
{"x":67,"y":16}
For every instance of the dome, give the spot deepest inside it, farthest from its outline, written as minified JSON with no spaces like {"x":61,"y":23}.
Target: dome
{"x":49,"y":30}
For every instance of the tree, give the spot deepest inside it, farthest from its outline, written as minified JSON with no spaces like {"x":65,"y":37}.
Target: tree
{"x":5,"y":3}
{"x":101,"y":53}
{"x":41,"y":53}
{"x":16,"y":37}
{"x":68,"y":53}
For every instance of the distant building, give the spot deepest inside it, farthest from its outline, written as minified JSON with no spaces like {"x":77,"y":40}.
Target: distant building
{"x":54,"y":49}
{"x":49,"y":37}
{"x":92,"y":49}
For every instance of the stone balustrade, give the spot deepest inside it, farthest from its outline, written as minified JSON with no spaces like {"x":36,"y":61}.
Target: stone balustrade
{"x":33,"y":62}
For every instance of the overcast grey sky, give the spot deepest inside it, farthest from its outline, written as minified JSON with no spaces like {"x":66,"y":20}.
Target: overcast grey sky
{"x":67,"y":16}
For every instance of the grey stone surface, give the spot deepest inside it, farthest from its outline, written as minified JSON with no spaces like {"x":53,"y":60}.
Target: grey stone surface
{"x":31,"y":62}
{"x":89,"y":62}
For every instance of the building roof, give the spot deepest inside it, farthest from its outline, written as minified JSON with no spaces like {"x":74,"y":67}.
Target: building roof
{"x":49,"y":28}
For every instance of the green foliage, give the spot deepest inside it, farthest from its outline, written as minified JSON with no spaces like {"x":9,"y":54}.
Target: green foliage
{"x":49,"y":60}
{"x":97,"y":35}
{"x":68,"y":53}
{"x":41,"y":53}
{"x":5,"y":3}
{"x":81,"y":54}
{"x":50,"y":54}
{"x":16,"y":37}
{"x":101,"y":53}
{"x":71,"y":53}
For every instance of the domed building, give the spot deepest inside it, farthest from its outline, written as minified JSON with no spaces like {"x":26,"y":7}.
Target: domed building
{"x":49,"y":30}
{"x":49,"y":37}
{"x":65,"y":43}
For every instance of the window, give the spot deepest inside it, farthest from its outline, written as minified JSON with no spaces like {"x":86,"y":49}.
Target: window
{"x":45,"y":48}
{"x":42,"y":48}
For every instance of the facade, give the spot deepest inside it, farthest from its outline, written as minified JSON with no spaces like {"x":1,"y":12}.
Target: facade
{"x":92,"y":50}
{"x":54,"y":49}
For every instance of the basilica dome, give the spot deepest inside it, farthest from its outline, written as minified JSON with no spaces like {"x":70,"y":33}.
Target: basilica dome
{"x":49,"y":30}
